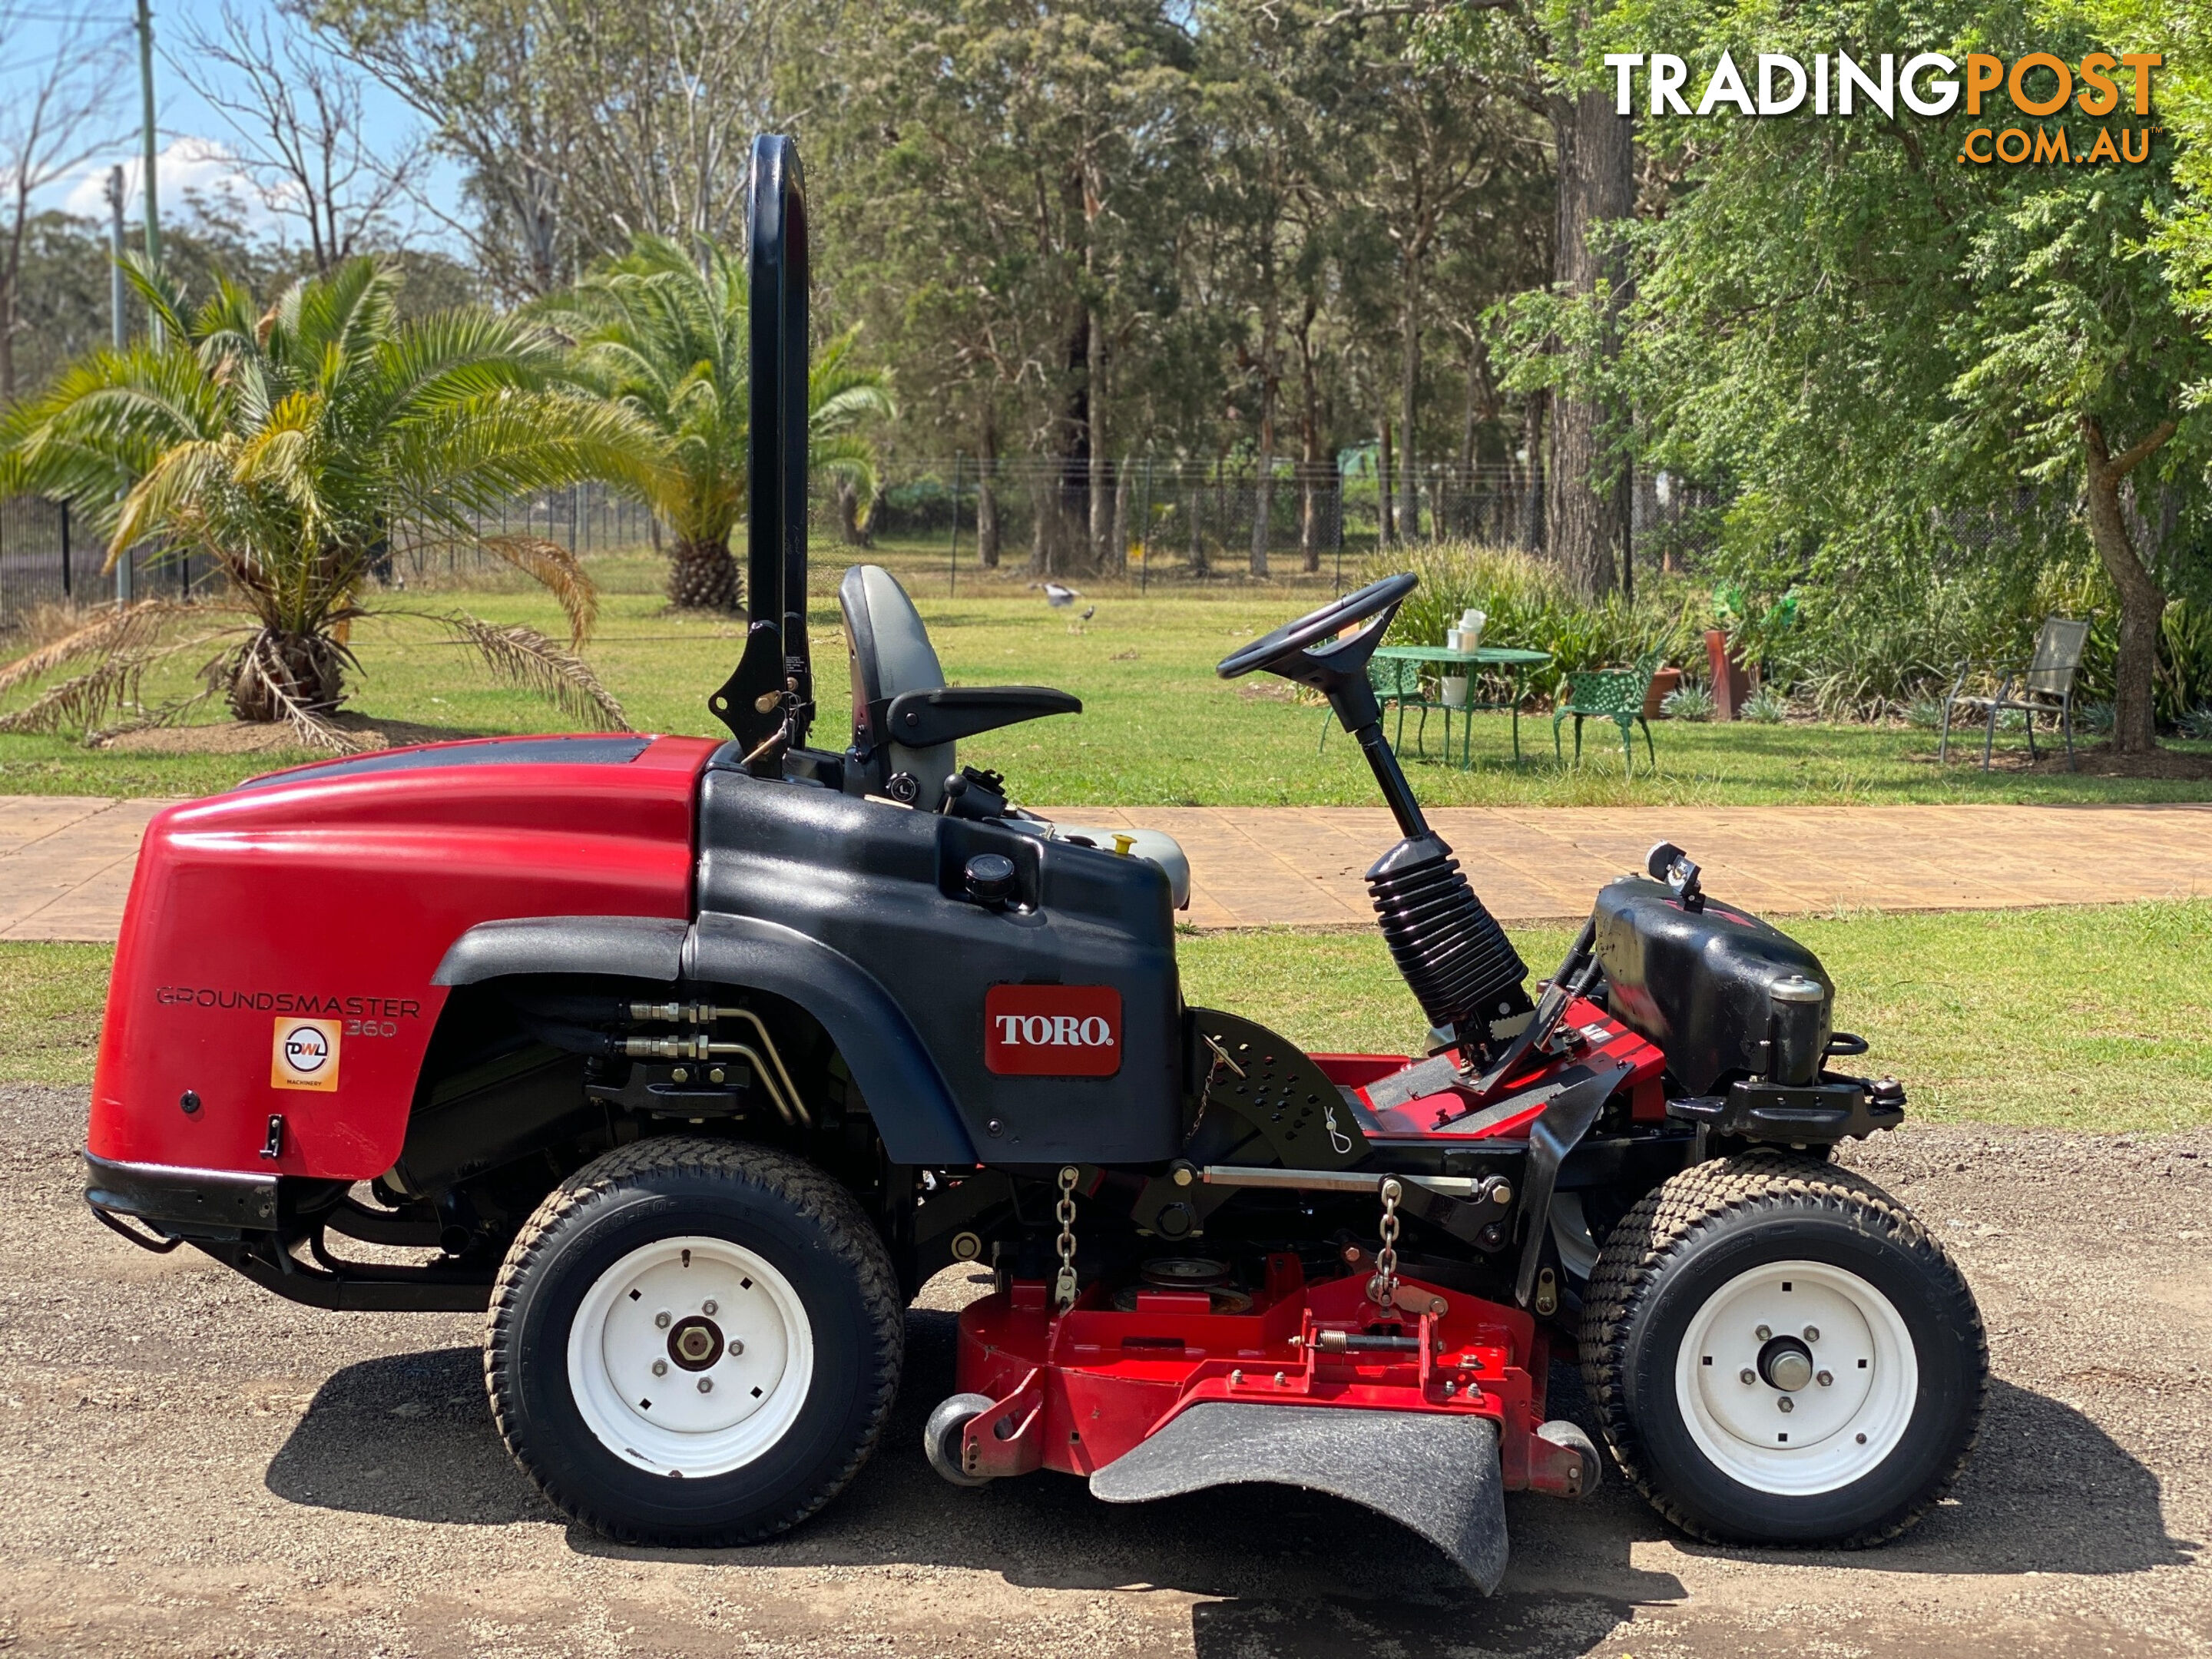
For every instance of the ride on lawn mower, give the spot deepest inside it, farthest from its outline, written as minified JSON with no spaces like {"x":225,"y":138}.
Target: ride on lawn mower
{"x":692,"y":1060}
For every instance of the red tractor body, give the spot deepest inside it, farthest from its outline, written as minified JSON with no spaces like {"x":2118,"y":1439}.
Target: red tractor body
{"x":314,"y":906}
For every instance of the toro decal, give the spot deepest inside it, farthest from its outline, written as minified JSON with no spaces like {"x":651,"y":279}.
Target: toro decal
{"x":306,"y":1056}
{"x":1052,"y":1030}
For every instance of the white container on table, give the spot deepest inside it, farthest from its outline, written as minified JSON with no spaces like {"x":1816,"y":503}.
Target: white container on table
{"x":1455,"y":684}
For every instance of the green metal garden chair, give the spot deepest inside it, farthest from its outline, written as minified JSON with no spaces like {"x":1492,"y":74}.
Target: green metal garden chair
{"x":1397,"y":680}
{"x":1611,"y":693}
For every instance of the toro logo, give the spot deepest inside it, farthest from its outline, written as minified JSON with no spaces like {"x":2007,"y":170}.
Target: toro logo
{"x":1052,"y":1030}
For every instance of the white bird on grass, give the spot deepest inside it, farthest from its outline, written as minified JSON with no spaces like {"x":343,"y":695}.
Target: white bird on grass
{"x":1058,"y":595}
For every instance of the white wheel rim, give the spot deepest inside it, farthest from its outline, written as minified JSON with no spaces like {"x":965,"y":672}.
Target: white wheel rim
{"x":664,"y":1304}
{"x":1829,"y":1434}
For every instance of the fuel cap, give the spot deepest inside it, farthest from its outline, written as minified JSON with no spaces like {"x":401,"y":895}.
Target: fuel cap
{"x":990,"y":878}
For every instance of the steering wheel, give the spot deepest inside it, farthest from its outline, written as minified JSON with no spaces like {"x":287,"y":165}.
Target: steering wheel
{"x":1284,"y":651}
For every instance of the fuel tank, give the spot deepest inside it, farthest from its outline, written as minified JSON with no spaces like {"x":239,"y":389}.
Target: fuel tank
{"x":1723,"y":994}
{"x":277,"y":948}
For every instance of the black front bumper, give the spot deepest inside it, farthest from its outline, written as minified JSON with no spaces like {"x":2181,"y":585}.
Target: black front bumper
{"x":241,"y":1220}
{"x":218,"y":1206}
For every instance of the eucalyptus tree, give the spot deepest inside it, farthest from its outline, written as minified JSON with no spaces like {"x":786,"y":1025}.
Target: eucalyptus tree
{"x":578,"y":125}
{"x":1008,"y":175}
{"x":1872,"y":335}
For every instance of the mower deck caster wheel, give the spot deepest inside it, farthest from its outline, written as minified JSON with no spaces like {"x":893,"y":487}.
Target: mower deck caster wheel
{"x":1561,"y":1432}
{"x":941,"y":1436}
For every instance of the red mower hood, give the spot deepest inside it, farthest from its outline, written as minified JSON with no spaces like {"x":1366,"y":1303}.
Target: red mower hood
{"x":277,"y":950}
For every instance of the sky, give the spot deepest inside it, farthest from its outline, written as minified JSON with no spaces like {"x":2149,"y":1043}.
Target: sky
{"x":197,"y":142}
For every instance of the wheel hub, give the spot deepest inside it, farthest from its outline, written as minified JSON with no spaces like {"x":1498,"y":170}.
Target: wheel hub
{"x":690,"y":1357}
{"x":1796,"y":1377}
{"x":696,"y":1343}
{"x":1786,"y":1363}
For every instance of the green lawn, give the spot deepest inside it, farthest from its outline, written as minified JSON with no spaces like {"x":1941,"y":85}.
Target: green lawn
{"x":2091,"y":1018}
{"x":1157,"y":729}
{"x":2096,"y":1018}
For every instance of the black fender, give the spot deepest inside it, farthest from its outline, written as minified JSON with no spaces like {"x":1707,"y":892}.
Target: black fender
{"x":625,"y":947}
{"x":913,"y":1109}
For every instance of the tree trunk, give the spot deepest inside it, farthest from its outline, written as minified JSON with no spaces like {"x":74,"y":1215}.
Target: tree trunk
{"x":7,"y":343}
{"x":306,"y":671}
{"x":1102,"y":470}
{"x":1596,"y":183}
{"x":1308,"y":445}
{"x":1045,"y":496}
{"x":1263,"y":490}
{"x":2142,"y":603}
{"x":1383,"y":537}
{"x":987,"y":495}
{"x":850,"y":529}
{"x":702,"y":576}
{"x":1117,"y":550}
{"x":1194,"y":502}
{"x":1534,"y":473}
{"x":1409,"y":392}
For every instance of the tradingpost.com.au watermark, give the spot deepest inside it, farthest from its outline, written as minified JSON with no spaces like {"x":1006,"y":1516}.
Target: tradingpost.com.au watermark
{"x":1929,"y":83}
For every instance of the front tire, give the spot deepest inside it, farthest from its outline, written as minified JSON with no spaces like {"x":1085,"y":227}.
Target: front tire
{"x":694,"y":1342}
{"x":1779,"y":1353}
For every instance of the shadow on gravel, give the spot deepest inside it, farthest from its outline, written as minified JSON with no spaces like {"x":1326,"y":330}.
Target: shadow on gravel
{"x":411,"y":1436}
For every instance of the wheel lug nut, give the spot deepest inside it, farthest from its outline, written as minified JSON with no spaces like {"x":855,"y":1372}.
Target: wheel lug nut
{"x":1763,"y":1332}
{"x":660,"y":1320}
{"x":733,"y":1347}
{"x":709,"y":1307}
{"x":1812,"y":1333}
{"x":1748,"y":1375}
{"x":706,"y":1385}
{"x":1787,"y":1403}
{"x":660,"y":1368}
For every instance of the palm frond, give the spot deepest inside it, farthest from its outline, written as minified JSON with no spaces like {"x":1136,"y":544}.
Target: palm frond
{"x":557,"y":571}
{"x":122,"y":631}
{"x":82,"y":699}
{"x":526,"y":657}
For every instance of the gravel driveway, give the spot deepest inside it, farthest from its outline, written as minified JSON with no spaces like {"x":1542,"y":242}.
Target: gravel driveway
{"x":191,"y":1466}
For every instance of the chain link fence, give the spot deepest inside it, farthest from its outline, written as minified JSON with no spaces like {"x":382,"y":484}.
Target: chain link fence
{"x":51,"y":561}
{"x":1142,"y":519}
{"x":1151,"y":519}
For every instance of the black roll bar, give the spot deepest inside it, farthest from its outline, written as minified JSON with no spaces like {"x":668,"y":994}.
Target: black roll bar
{"x":777,"y":456}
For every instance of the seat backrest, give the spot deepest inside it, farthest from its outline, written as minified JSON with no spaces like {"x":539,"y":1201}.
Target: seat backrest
{"x":2057,"y":655}
{"x":890,"y":654}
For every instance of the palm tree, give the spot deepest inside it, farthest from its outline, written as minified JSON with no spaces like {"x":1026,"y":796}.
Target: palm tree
{"x":290,"y":445}
{"x":666,"y":337}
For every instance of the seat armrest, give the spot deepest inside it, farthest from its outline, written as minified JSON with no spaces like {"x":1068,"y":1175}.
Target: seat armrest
{"x":922,"y":719}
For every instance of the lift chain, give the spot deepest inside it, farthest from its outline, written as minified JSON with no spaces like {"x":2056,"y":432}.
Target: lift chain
{"x":1063,"y":1288}
{"x":1383,"y":1287}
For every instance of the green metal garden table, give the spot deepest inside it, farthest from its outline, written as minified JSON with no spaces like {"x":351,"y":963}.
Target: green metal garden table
{"x":1516,"y":663}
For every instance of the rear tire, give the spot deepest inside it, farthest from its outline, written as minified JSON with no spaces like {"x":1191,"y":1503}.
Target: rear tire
{"x":694,"y":1342}
{"x":1865,"y":1352}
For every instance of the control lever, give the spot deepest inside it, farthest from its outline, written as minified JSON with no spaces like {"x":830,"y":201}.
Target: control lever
{"x":1577,"y":972}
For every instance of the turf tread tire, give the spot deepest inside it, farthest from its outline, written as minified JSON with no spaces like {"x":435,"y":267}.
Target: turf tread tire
{"x":1667,"y":1220}
{"x":849,"y":1234}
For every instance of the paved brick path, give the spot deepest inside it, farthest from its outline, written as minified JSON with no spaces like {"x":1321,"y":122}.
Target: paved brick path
{"x":1303,"y":867}
{"x":65,"y":861}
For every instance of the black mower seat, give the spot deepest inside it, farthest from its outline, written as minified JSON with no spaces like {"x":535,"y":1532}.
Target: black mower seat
{"x":898,"y":687}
